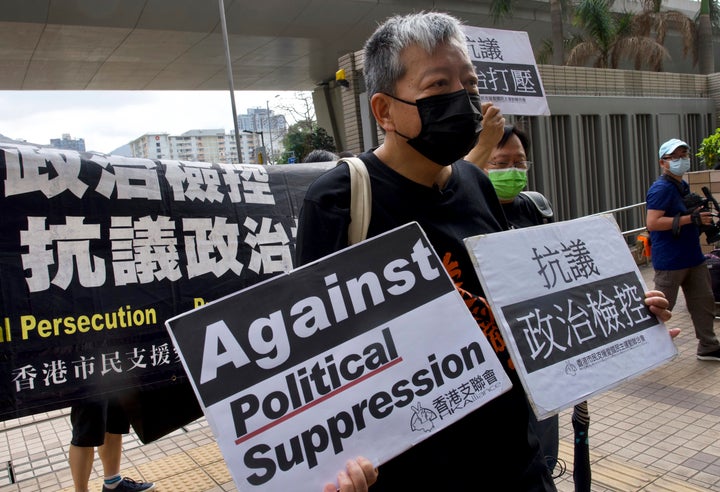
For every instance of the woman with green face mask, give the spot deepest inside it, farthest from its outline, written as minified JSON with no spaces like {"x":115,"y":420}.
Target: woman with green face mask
{"x":501,"y":151}
{"x":507,"y":167}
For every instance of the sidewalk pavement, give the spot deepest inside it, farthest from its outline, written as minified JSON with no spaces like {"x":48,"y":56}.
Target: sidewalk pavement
{"x":657,"y":432}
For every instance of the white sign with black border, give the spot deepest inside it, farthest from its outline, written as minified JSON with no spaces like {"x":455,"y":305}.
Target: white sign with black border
{"x":365,"y":352}
{"x":507,"y":73}
{"x":569,"y":300}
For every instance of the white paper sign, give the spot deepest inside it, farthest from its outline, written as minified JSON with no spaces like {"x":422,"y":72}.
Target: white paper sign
{"x":365,"y":352}
{"x":507,"y":72}
{"x":569,"y":300}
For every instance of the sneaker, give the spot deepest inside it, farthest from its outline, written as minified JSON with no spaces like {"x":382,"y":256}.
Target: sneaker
{"x":711,"y":356}
{"x":130,"y":485}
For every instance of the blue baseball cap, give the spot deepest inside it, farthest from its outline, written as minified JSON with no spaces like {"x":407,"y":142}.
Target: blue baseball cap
{"x":670,"y":146}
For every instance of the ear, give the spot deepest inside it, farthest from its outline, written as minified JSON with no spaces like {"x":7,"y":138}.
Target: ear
{"x":380,"y":105}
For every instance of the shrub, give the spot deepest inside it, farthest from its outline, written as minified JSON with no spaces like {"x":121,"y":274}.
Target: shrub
{"x":709,"y":151}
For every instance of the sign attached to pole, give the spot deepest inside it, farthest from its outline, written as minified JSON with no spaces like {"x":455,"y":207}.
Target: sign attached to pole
{"x":507,"y":72}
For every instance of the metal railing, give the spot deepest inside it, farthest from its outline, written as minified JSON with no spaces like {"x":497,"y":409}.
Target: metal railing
{"x":621,"y":209}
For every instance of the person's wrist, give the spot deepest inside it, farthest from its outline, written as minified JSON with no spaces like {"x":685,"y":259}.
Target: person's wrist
{"x":695,"y":218}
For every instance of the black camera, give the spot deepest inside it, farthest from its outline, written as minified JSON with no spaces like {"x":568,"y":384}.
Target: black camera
{"x":695,"y":202}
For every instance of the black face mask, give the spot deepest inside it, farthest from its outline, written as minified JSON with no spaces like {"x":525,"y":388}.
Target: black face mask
{"x":451,"y":124}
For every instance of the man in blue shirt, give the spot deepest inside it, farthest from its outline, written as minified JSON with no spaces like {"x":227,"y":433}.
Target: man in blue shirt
{"x":677,"y":257}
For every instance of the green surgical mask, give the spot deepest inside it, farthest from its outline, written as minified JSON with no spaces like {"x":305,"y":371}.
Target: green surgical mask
{"x":508,"y":183}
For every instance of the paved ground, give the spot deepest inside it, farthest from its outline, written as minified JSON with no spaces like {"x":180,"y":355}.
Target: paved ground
{"x":657,"y":432}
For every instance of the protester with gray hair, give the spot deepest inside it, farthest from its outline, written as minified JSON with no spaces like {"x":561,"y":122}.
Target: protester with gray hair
{"x":423,"y":93}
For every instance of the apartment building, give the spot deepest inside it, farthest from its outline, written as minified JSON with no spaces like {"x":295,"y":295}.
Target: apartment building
{"x":66,"y":142}
{"x":214,"y":145}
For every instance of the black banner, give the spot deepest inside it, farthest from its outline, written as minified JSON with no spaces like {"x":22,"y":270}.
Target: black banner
{"x":98,"y":251}
{"x":567,"y":324}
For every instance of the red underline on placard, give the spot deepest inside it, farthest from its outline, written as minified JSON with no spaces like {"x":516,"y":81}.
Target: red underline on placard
{"x":290,"y":415}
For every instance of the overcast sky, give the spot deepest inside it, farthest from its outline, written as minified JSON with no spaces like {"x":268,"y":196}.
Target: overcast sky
{"x":110,"y":119}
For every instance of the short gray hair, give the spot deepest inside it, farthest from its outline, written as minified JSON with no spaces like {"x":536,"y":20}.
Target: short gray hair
{"x":382,"y":51}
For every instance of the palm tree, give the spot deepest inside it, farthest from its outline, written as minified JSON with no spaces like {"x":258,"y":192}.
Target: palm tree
{"x":609,"y":38}
{"x":705,"y":37}
{"x":651,"y":19}
{"x":558,"y":37}
{"x":501,"y":9}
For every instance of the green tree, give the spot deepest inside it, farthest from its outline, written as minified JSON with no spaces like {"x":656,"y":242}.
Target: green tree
{"x":303,"y":137}
{"x":608,"y":37}
{"x":709,"y":151}
{"x":305,"y":134}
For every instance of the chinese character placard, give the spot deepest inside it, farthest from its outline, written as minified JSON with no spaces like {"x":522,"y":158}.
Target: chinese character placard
{"x":569,"y":300}
{"x":507,"y":74}
{"x":97,"y":251}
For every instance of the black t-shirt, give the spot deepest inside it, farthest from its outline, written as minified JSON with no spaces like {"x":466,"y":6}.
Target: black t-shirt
{"x":490,"y":449}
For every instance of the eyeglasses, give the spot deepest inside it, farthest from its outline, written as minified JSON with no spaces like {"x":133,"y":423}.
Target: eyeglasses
{"x":525,"y":165}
